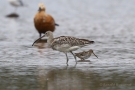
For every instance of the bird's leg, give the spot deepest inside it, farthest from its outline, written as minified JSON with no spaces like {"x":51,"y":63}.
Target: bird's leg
{"x":73,"y":55}
{"x":15,"y":9}
{"x":67,"y":59}
{"x":39,"y":35}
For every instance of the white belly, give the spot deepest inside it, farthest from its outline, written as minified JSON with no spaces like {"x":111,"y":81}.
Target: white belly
{"x":65,"y":48}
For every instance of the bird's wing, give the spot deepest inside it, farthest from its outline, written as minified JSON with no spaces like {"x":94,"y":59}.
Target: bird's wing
{"x":52,"y":20}
{"x":71,"y":41}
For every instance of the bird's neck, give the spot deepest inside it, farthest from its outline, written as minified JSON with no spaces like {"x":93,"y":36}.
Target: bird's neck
{"x":50,"y":40}
{"x":41,"y":11}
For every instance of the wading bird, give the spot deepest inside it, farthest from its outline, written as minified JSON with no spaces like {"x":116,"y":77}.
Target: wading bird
{"x":85,"y":54}
{"x":44,"y":22}
{"x":16,"y":3}
{"x":65,"y":44}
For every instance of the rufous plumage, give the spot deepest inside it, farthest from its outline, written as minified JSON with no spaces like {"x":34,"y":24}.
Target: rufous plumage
{"x":44,"y":22}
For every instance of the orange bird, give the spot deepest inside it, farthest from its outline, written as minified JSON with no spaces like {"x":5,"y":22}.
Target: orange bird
{"x":44,"y":22}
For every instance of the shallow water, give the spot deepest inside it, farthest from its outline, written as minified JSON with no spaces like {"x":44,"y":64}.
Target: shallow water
{"x":110,"y":23}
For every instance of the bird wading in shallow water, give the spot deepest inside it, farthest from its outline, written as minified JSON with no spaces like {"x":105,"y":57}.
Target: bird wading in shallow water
{"x":65,"y":44}
{"x":85,"y":54}
{"x":44,"y":22}
{"x":16,"y":3}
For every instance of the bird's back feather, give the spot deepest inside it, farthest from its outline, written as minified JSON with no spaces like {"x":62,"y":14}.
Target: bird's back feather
{"x":71,"y":41}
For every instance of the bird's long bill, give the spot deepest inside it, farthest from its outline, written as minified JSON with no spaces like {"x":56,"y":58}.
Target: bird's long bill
{"x":95,"y":54}
{"x":38,"y":40}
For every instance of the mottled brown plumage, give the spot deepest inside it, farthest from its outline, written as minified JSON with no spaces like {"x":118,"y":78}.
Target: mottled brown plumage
{"x":44,"y":22}
{"x":85,"y":54}
{"x":65,"y":44}
{"x":67,"y":41}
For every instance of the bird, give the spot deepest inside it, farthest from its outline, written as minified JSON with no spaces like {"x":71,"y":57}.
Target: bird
{"x":44,"y":22}
{"x":65,"y":44}
{"x":85,"y":54}
{"x":16,"y":3}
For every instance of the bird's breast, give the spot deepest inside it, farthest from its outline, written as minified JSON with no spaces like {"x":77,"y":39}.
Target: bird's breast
{"x":65,"y":47}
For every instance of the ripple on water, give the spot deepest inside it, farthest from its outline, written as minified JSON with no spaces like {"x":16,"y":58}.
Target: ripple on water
{"x":109,"y":23}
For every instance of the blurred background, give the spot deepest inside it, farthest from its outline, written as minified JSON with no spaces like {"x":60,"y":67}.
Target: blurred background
{"x":110,"y":23}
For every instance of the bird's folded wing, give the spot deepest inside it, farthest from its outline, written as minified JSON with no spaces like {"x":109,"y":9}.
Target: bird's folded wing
{"x":71,"y":41}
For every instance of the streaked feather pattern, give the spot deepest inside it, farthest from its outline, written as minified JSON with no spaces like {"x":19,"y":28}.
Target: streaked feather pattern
{"x":65,"y":44}
{"x":71,"y":41}
{"x":85,"y":54}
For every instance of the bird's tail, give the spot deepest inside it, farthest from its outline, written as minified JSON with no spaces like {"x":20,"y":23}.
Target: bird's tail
{"x":85,"y":41}
{"x":56,"y":24}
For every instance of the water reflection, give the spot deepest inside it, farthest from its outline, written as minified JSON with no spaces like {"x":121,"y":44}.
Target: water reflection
{"x":40,"y":44}
{"x":12,"y":15}
{"x":71,"y":78}
{"x":64,"y":78}
{"x":24,"y":67}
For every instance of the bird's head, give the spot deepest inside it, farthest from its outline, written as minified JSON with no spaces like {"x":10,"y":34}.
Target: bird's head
{"x":91,"y":51}
{"x":48,"y":34}
{"x":41,"y":7}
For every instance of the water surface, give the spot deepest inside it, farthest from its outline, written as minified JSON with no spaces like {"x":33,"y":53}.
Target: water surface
{"x":110,"y":23}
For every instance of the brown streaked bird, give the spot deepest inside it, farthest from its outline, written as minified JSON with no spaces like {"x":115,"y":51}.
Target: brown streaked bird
{"x":65,"y":44}
{"x":44,"y":22}
{"x":85,"y":54}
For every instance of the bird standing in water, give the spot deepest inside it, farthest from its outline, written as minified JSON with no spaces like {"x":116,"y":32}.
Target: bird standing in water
{"x":85,"y":54}
{"x":65,"y":44}
{"x":44,"y":22}
{"x":16,"y":3}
